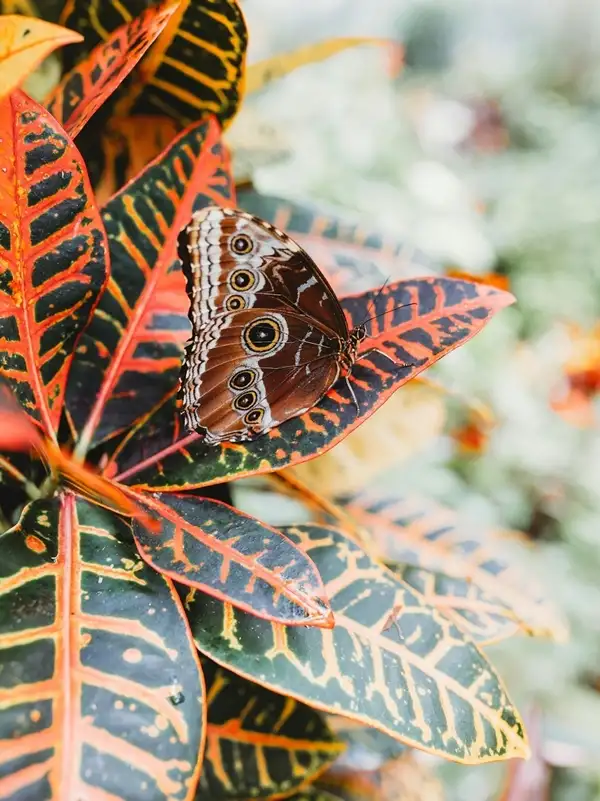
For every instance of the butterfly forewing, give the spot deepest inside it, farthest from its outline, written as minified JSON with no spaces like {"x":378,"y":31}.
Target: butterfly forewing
{"x":267,"y":329}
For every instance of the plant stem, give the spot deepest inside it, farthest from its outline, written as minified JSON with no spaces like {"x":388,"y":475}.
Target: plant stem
{"x":49,"y":485}
{"x":30,"y":488}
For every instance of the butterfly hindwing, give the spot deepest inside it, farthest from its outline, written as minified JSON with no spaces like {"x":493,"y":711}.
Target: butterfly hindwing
{"x":267,"y":330}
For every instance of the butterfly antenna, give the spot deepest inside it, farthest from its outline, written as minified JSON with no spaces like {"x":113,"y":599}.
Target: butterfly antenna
{"x":383,"y":313}
{"x":374,"y":301}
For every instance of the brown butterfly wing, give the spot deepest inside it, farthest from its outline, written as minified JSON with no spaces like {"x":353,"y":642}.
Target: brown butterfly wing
{"x":267,"y":328}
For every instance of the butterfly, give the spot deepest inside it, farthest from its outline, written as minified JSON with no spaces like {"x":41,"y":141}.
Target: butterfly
{"x":269,"y":336}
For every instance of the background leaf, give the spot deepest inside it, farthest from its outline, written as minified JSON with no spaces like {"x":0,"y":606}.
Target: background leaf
{"x":423,"y":534}
{"x":53,"y":256}
{"x":421,"y":681}
{"x":130,"y":355}
{"x":352,"y":258}
{"x":85,"y":88}
{"x":95,"y":658}
{"x":25,"y":43}
{"x":483,"y":617}
{"x":259,"y":744}
{"x":219,"y":550}
{"x":262,"y":73}
{"x":408,"y":338}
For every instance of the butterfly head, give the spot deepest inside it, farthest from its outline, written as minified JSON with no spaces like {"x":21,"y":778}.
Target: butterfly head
{"x":351,"y":347}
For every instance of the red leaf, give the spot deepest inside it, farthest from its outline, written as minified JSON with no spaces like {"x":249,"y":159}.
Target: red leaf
{"x":17,"y":432}
{"x":85,"y":88}
{"x":417,"y":322}
{"x":130,"y":354}
{"x":52,"y":256}
{"x":232,"y":556}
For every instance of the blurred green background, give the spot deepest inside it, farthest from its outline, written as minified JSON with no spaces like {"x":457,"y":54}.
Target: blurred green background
{"x":477,"y":143}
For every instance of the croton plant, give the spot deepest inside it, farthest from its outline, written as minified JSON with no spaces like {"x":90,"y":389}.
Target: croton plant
{"x":155,"y":642}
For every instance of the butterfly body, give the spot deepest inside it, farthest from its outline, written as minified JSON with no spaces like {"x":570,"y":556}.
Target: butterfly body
{"x":269,"y":336}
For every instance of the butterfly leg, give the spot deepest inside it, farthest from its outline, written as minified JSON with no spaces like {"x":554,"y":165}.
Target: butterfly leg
{"x":387,"y":356}
{"x":353,"y":394}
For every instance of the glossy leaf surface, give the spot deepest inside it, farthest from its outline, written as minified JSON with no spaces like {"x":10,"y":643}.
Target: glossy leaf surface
{"x":219,"y":550}
{"x":129,"y":357}
{"x":85,"y":88}
{"x":421,"y":680}
{"x":259,"y":744}
{"x":418,"y":321}
{"x":425,"y":535}
{"x":25,"y":43}
{"x":100,"y":689}
{"x":196,"y":68}
{"x":53,"y":256}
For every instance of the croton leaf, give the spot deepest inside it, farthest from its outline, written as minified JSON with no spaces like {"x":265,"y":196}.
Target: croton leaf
{"x":25,"y":43}
{"x":420,"y":533}
{"x":127,"y":145}
{"x":413,"y":324}
{"x":262,"y":73}
{"x":353,"y":258}
{"x":213,"y":547}
{"x":129,"y":357}
{"x":85,"y":88}
{"x":53,"y":256}
{"x":259,"y":744}
{"x":421,"y":680}
{"x":485,"y":618}
{"x":197,"y":67}
{"x":100,"y":685}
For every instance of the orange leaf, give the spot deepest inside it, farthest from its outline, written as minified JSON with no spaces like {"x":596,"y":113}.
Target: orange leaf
{"x":489,"y":279}
{"x":98,"y":489}
{"x":24,"y":43}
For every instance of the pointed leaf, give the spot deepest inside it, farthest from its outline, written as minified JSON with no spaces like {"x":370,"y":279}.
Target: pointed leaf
{"x":421,"y":681}
{"x":100,"y":689}
{"x":52,"y":256}
{"x":85,"y":88}
{"x":354,"y":259}
{"x":129,"y":357}
{"x":420,"y":321}
{"x":196,"y":67}
{"x":24,"y":43}
{"x":272,"y":69}
{"x":219,"y":550}
{"x":259,"y":744}
{"x":425,"y":535}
